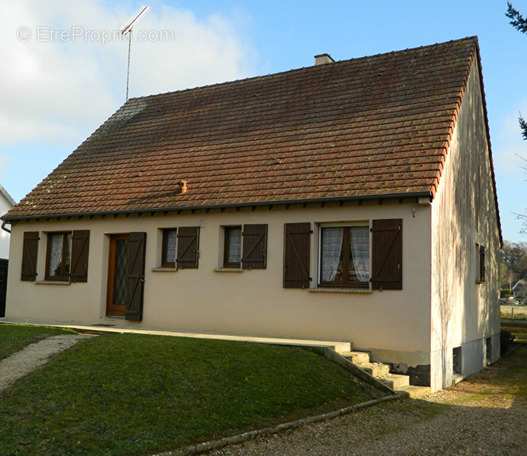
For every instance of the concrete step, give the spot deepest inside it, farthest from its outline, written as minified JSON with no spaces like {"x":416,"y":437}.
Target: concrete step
{"x":377,"y":370}
{"x":416,"y":392}
{"x":356,"y":357}
{"x":395,"y":381}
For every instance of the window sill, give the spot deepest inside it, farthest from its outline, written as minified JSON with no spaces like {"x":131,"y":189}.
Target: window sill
{"x":162,"y":269}
{"x":52,"y":282}
{"x":341,"y":290}
{"x":228,"y":270}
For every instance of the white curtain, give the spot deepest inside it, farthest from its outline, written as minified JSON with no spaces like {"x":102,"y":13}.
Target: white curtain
{"x":171,"y":246}
{"x":360,"y":252}
{"x":235,"y":245}
{"x":331,"y":252}
{"x":56,"y":254}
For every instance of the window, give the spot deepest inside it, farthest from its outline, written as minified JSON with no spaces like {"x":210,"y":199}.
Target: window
{"x":232,"y":253}
{"x":480,"y":263}
{"x":345,"y":256}
{"x":245,"y":247}
{"x":58,"y":256}
{"x":168,"y":259}
{"x":456,"y":361}
{"x":66,"y":256}
{"x":180,"y":247}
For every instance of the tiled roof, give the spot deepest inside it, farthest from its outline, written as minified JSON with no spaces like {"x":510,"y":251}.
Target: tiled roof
{"x":370,"y":127}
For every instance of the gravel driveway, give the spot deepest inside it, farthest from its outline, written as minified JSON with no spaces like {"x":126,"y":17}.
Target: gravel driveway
{"x":479,"y":416}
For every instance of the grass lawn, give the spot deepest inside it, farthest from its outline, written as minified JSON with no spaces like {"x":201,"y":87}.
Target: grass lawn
{"x":125,"y":394}
{"x":16,"y":337}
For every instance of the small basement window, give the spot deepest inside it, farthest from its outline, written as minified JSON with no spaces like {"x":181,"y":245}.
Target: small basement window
{"x":456,"y":360}
{"x":489,"y":349}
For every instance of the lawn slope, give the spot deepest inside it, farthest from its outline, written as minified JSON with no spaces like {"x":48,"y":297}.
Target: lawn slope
{"x":120,"y":394}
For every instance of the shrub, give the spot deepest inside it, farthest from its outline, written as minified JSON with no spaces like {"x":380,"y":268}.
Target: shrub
{"x":506,"y":340}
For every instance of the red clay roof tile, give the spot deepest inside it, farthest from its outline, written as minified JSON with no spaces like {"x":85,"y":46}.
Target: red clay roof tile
{"x":370,"y":127}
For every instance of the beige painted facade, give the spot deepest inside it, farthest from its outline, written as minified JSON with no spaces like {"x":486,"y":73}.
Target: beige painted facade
{"x":248,"y":302}
{"x":465,"y":314}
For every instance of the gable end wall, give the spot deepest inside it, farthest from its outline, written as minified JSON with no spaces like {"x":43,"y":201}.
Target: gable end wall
{"x":464,"y":214}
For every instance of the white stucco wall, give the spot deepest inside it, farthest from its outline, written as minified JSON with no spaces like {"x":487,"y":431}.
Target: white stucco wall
{"x":394,"y":325}
{"x":464,"y":213}
{"x":5,"y":205}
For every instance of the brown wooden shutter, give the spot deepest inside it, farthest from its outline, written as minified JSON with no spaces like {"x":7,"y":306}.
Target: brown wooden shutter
{"x":297,"y":255}
{"x":254,"y":247}
{"x":187,"y":247}
{"x":387,"y":254}
{"x":80,"y":247}
{"x":29,"y":256}
{"x":135,"y":276}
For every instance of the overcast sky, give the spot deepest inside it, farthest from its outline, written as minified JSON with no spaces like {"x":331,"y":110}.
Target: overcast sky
{"x":64,"y":65}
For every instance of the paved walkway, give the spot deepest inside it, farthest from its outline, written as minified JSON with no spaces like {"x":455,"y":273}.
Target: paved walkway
{"x":33,"y":356}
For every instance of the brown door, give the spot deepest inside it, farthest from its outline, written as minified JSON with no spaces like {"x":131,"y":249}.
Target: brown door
{"x":117,"y":291}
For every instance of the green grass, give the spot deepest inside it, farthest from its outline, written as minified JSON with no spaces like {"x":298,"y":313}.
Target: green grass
{"x":515,"y":376}
{"x":15,"y":337}
{"x":134,"y":394}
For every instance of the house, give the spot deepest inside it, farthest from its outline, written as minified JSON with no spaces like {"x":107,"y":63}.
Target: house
{"x":519,"y":292}
{"x":350,"y":200}
{"x":6,"y":203}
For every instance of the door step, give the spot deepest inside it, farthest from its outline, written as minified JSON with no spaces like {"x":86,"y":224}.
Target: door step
{"x":381,"y":372}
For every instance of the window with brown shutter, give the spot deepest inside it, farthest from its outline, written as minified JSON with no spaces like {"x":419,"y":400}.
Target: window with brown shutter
{"x":80,"y":246}
{"x":188,"y":247}
{"x":254,"y":246}
{"x":297,"y":255}
{"x":387,"y":254}
{"x":136,"y":248}
{"x":29,"y":256}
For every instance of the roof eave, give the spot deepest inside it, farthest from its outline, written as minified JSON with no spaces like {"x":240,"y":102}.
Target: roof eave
{"x":424,"y":194}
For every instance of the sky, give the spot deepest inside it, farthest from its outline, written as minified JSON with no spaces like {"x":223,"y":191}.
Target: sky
{"x":64,"y":65}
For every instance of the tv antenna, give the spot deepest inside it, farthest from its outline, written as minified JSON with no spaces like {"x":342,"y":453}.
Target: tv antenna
{"x":126,"y":29}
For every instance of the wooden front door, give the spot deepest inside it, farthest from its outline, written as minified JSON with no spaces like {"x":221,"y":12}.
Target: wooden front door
{"x":126,"y":276}
{"x":116,"y":297}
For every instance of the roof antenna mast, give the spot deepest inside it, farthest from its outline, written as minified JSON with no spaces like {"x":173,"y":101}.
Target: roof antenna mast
{"x":126,"y":29}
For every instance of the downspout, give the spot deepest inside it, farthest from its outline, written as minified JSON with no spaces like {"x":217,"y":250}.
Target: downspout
{"x":4,"y":227}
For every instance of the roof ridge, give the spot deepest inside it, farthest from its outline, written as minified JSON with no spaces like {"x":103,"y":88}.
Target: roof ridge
{"x":473,"y":39}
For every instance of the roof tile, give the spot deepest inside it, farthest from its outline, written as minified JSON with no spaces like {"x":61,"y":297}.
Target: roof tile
{"x":374,"y":126}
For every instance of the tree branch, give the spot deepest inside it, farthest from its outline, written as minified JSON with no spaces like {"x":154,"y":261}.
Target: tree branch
{"x":516,"y":19}
{"x":523,"y":126}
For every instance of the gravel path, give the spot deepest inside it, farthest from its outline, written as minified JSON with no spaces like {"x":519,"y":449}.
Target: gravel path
{"x":478,"y":416}
{"x":33,"y":356}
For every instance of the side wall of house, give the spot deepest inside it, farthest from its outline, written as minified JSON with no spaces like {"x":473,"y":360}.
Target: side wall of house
{"x":465,"y":313}
{"x":5,"y":205}
{"x":393,"y":324}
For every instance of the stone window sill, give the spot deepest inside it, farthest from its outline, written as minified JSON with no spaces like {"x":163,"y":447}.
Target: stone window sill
{"x":161,"y":269}
{"x":341,"y":290}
